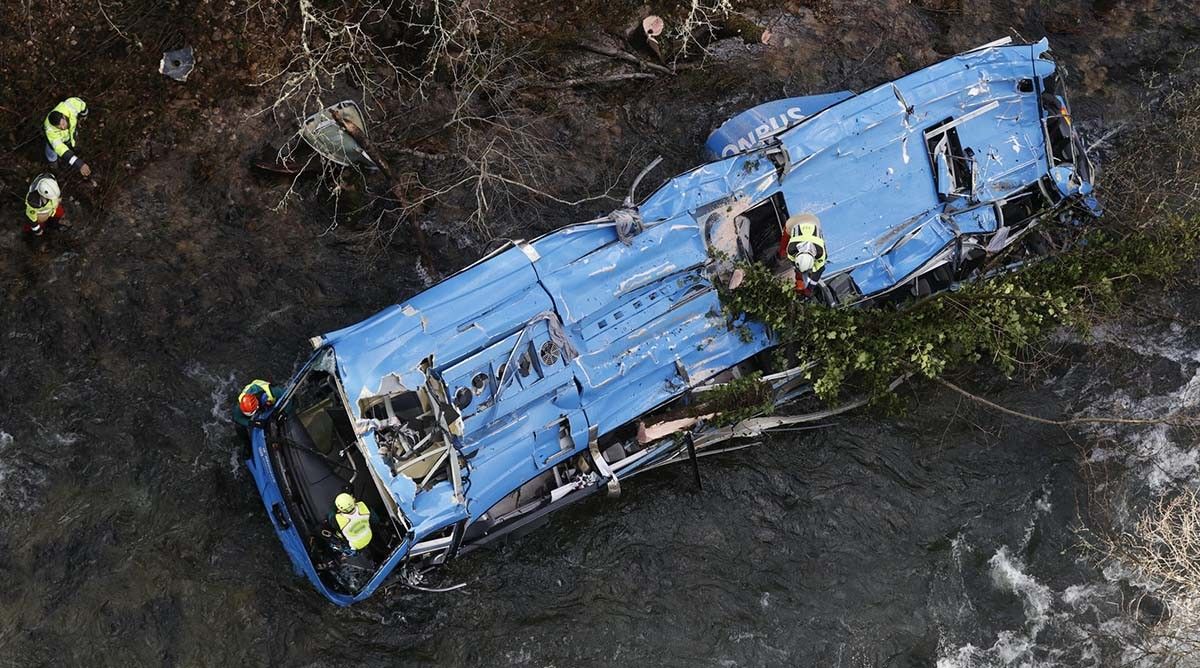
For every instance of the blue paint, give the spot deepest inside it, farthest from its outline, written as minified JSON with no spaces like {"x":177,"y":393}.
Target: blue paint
{"x":752,"y":127}
{"x":644,"y":319}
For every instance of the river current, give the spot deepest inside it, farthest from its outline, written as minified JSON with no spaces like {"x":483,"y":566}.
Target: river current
{"x":944,"y":535}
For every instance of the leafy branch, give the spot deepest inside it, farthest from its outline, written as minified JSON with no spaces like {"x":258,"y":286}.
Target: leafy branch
{"x":1000,"y":321}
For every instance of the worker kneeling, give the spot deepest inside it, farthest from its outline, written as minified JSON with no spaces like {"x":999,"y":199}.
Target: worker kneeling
{"x":354,"y":519}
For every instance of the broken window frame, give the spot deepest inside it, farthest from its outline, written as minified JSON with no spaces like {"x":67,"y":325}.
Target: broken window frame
{"x":759,"y":215}
{"x":947,"y":155}
{"x":1055,"y":87}
{"x":324,"y":361}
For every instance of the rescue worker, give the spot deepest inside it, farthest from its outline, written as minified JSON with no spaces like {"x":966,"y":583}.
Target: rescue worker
{"x":60,"y":125}
{"x":354,"y":519}
{"x":257,"y":396}
{"x":43,"y":205}
{"x":806,"y":250}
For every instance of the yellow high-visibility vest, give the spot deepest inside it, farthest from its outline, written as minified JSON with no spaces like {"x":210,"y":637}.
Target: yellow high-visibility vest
{"x":805,"y":239}
{"x":32,"y":212}
{"x":258,"y":385}
{"x":356,"y":526}
{"x":61,"y":140}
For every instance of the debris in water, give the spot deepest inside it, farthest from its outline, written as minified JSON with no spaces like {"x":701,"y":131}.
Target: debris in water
{"x":331,"y":133}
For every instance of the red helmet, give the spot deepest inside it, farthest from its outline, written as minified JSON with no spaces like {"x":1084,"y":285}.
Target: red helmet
{"x":248,"y":403}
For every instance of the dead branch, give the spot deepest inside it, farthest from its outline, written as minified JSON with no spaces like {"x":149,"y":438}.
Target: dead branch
{"x":119,"y":32}
{"x":702,"y":18}
{"x":1069,"y":422}
{"x":422,"y":154}
{"x":622,"y":55}
{"x":1160,"y":555}
{"x":755,"y":426}
{"x":553,"y":198}
{"x":493,"y":149}
{"x":335,"y":44}
{"x":592,"y":81}
{"x":399,"y":187}
{"x":1105,"y":137}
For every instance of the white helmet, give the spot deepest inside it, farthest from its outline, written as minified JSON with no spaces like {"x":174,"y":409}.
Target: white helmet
{"x":805,"y":261}
{"x":801,"y":219}
{"x":47,"y":187}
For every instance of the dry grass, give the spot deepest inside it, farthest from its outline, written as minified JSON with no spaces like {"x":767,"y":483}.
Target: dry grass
{"x":1157,"y":167}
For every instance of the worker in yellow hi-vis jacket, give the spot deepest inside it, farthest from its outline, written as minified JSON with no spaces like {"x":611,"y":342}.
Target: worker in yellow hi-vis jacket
{"x":60,"y":126}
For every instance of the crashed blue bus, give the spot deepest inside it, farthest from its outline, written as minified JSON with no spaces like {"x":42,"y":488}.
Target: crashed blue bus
{"x":554,"y":369}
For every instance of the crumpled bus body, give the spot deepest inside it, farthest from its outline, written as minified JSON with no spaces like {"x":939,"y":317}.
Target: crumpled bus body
{"x":554,"y":369}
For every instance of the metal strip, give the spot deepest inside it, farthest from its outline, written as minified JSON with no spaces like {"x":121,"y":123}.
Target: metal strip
{"x":529,"y":251}
{"x":614,"y":485}
{"x":990,"y":106}
{"x":1003,"y":41}
{"x":430,"y":546}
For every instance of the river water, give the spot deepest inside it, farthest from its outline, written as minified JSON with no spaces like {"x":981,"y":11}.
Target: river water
{"x":941,"y":536}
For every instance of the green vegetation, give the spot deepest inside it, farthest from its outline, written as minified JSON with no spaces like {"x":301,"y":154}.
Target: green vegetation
{"x":735,"y":401}
{"x":999,"y":321}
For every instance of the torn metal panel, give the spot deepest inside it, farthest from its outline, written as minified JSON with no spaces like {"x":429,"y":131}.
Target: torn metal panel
{"x":326,"y":133}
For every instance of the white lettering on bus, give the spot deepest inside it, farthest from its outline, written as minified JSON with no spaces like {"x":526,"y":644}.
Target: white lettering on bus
{"x":773,"y":125}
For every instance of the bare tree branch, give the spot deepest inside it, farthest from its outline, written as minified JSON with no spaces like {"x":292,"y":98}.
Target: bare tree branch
{"x":1069,"y":422}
